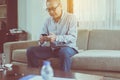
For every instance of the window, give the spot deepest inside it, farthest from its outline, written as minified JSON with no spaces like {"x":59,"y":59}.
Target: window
{"x":97,"y":14}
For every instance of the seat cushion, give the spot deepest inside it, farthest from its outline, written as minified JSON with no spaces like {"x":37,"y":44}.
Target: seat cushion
{"x":108,"y":60}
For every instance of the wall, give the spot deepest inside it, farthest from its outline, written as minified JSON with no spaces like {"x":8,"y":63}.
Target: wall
{"x":22,"y":14}
{"x":31,"y":16}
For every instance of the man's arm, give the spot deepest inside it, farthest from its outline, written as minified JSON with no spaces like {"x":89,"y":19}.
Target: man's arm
{"x":44,"y":33}
{"x":71,"y":35}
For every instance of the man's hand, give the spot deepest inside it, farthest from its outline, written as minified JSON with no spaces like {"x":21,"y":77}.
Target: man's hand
{"x":44,"y":38}
{"x":52,"y":37}
{"x":41,"y":39}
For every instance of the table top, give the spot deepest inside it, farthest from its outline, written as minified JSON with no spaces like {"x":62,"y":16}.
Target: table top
{"x":14,"y":75}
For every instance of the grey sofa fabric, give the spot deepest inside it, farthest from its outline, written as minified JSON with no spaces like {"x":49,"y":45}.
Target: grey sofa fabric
{"x":104,"y":60}
{"x":19,"y":55}
{"x":82,"y":40}
{"x":104,"y":40}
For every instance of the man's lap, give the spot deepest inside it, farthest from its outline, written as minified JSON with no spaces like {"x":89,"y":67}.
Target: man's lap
{"x":47,"y":52}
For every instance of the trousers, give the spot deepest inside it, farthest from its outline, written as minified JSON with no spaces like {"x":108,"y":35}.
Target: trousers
{"x":39,"y":52}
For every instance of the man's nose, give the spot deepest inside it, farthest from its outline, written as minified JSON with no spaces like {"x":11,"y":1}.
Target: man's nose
{"x":51,"y":11}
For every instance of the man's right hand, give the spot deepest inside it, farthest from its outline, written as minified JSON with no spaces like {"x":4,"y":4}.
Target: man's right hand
{"x":44,"y":38}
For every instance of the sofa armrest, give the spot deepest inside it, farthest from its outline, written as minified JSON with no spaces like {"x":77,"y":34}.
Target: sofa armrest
{"x":10,"y":46}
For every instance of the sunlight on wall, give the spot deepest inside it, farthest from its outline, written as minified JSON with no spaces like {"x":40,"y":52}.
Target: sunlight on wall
{"x":64,"y":4}
{"x":90,"y":9}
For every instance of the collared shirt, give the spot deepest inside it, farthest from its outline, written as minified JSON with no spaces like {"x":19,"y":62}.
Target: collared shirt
{"x":65,"y":29}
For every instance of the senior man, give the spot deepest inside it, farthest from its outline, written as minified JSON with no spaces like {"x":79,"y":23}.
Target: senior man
{"x":60,"y":29}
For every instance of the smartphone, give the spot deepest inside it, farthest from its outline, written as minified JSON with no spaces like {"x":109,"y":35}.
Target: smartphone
{"x":44,"y":34}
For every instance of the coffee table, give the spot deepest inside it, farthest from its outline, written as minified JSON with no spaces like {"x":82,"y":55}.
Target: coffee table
{"x":15,"y":75}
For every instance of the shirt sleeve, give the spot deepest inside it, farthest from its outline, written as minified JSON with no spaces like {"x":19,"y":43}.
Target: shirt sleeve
{"x":71,"y":35}
{"x":44,"y":28}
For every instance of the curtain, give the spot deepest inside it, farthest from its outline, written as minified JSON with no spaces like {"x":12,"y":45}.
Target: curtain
{"x":97,"y":14}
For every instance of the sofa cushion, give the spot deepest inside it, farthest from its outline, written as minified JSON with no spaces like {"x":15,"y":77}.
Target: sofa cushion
{"x":82,"y":39}
{"x":104,"y":40}
{"x":19,"y":55}
{"x":108,"y":60}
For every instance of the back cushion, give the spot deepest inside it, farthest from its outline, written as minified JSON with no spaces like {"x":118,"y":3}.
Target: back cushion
{"x":82,"y":39}
{"x":104,"y":39}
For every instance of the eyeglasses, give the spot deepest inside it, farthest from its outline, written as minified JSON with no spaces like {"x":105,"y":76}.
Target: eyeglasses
{"x":53,"y":8}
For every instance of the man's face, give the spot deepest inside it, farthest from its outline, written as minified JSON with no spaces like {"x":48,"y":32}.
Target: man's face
{"x":54,"y":8}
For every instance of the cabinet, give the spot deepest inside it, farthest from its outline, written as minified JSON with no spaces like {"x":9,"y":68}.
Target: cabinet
{"x":18,"y":35}
{"x":8,"y":19}
{"x":3,"y":14}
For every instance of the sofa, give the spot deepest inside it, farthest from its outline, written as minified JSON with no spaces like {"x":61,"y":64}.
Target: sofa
{"x":99,"y":53}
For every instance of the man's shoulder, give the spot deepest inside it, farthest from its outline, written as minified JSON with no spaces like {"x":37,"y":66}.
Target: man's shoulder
{"x":70,"y":16}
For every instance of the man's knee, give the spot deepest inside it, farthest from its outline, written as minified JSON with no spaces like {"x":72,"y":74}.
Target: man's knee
{"x":64,"y":52}
{"x":30,"y":50}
